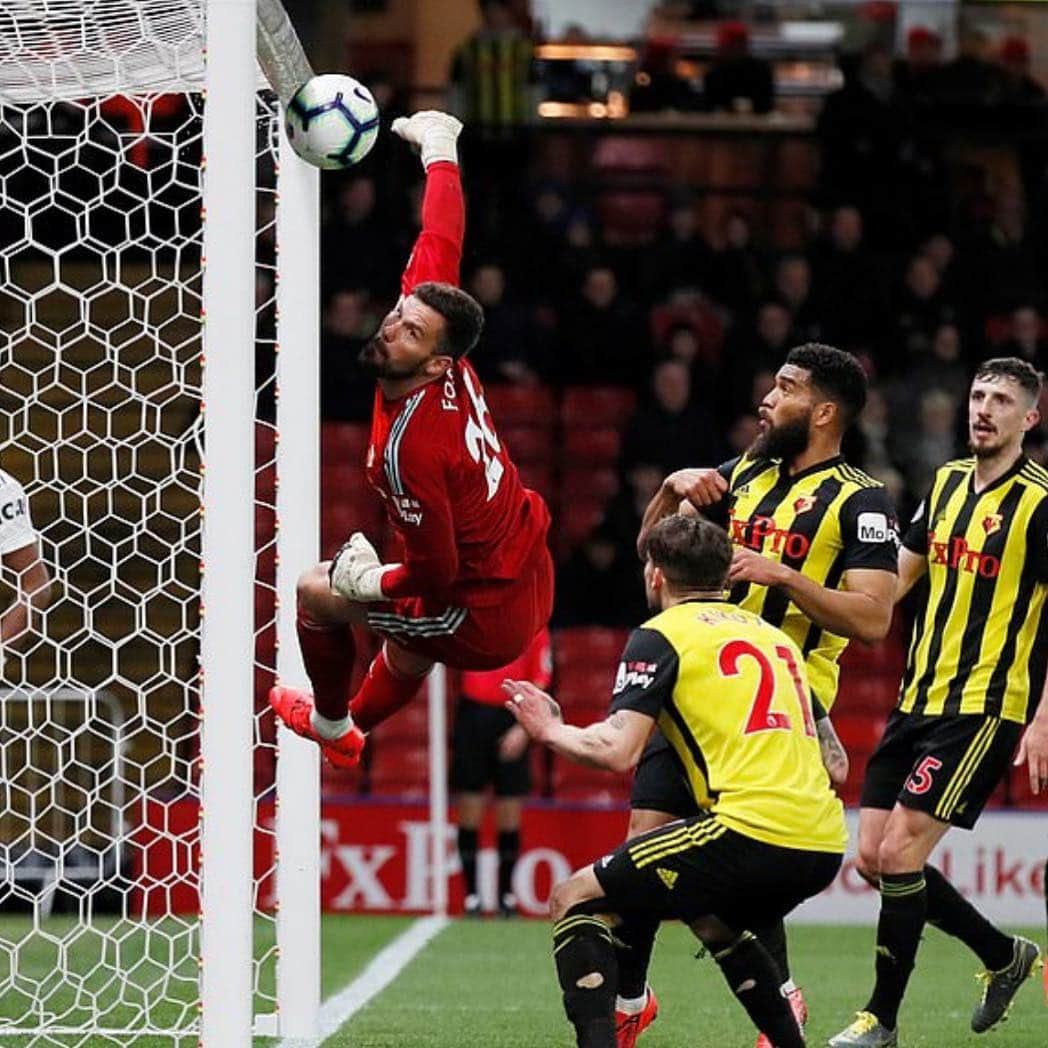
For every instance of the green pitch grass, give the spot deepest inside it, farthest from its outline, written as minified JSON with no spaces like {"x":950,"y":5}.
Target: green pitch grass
{"x":490,"y":984}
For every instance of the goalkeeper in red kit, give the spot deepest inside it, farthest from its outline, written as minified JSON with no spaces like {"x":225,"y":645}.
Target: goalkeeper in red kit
{"x":472,"y":582}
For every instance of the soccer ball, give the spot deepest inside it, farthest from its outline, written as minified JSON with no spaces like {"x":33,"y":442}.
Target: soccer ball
{"x":332,"y":121}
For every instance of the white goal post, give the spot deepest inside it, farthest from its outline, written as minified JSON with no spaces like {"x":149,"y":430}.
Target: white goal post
{"x":138,"y":279}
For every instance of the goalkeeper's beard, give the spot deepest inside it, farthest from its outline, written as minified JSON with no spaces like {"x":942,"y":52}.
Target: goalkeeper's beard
{"x":375,"y":363}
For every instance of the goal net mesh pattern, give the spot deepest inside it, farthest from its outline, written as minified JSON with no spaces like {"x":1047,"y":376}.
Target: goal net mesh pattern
{"x":100,"y":418}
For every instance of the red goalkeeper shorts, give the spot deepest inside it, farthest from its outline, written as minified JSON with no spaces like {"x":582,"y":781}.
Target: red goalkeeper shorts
{"x":464,"y":638}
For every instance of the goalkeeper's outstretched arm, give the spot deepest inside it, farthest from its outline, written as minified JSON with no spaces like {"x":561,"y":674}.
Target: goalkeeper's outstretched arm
{"x":437,"y":254}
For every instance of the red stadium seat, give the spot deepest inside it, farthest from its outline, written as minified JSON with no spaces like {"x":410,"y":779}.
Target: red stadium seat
{"x":539,"y":477}
{"x":597,"y":406}
{"x":528,"y":443}
{"x":576,"y":522}
{"x":400,"y":768}
{"x":597,"y":483}
{"x":597,"y":645}
{"x":520,"y":405}
{"x":578,"y":783}
{"x":591,"y":447}
{"x":408,"y":726}
{"x":340,"y":517}
{"x":872,"y":695}
{"x":859,"y":734}
{"x":585,"y":685}
{"x":344,"y":442}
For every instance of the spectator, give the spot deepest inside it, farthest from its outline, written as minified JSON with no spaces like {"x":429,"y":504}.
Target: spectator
{"x":736,"y":279}
{"x":935,"y":441}
{"x":346,"y":393}
{"x":680,"y":258}
{"x":624,"y":513}
{"x":738,"y":81}
{"x":604,"y":337}
{"x":488,"y":748}
{"x":920,"y":310}
{"x":970,"y":84}
{"x":1018,"y":88}
{"x":916,"y":76}
{"x":752,"y":349}
{"x":850,"y":302}
{"x":671,"y":430}
{"x":599,"y":585}
{"x":356,"y":247}
{"x":864,"y":135}
{"x":794,"y":291}
{"x":492,"y":74}
{"x":505,"y":352}
{"x":1027,"y":340}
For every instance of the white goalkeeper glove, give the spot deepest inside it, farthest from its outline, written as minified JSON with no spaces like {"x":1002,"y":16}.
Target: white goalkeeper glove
{"x":356,"y":572}
{"x":432,"y":133}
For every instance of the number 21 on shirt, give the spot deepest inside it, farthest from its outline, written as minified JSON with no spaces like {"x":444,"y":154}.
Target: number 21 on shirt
{"x":762,"y":717}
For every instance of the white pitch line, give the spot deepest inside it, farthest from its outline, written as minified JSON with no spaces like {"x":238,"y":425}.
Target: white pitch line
{"x":383,"y":968}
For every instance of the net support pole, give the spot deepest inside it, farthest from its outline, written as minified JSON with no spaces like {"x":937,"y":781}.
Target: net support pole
{"x":437,"y":693}
{"x":298,"y":542}
{"x":227,"y":639}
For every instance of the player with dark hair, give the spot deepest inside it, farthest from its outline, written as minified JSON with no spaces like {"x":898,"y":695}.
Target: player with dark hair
{"x":474,"y":580}
{"x":975,"y":675}
{"x":815,"y":554}
{"x":729,"y":692}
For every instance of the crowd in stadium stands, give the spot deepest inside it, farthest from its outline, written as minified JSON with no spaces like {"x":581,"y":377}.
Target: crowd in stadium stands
{"x":610,"y":360}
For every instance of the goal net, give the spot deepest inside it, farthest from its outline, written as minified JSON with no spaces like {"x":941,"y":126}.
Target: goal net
{"x":101,"y":383}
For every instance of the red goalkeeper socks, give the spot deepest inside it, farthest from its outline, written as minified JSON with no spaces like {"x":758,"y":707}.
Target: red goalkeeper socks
{"x":328,"y":653}
{"x":382,"y":693}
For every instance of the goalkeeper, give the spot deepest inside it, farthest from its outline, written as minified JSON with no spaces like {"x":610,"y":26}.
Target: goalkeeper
{"x":472,"y":582}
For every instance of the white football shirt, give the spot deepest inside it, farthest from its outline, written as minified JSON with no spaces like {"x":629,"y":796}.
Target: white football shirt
{"x":16,"y":527}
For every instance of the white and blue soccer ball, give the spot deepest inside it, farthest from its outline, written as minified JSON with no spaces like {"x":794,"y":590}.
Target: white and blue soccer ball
{"x":332,"y":121}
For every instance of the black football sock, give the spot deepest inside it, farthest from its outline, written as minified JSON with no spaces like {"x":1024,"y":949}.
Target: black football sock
{"x":773,"y":938}
{"x":509,"y":852}
{"x":754,"y":979}
{"x":634,"y":941}
{"x":467,"y":845}
{"x":904,"y":907}
{"x":950,"y":912}
{"x":585,"y":962}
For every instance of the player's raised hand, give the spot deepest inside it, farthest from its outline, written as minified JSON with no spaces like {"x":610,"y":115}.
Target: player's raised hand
{"x":536,"y":712}
{"x":356,"y":572}
{"x":432,"y":133}
{"x":701,"y":487}
{"x":1033,"y":751}
{"x":748,"y":565}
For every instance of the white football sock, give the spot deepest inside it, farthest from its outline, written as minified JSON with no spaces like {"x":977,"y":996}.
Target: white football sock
{"x":787,"y":987}
{"x":631,"y":1005}
{"x":330,"y":729}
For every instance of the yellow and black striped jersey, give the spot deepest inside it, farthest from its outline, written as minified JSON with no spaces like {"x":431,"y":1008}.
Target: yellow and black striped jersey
{"x":980,"y":640}
{"x":730,"y":695}
{"x":822,"y":522}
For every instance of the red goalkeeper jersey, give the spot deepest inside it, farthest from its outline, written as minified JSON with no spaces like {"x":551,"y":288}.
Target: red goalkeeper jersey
{"x":466,"y":525}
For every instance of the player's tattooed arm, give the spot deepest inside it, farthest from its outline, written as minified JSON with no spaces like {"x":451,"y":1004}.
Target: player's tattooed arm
{"x":614,"y":744}
{"x":834,"y":755}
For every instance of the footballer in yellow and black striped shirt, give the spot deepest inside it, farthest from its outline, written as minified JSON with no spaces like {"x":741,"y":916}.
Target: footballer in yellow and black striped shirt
{"x":730,"y":692}
{"x":975,"y":676}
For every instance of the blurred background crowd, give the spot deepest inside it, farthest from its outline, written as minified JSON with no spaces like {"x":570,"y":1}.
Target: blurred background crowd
{"x":694,"y":203}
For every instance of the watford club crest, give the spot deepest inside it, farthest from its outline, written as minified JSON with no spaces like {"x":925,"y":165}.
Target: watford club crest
{"x":992,"y":522}
{"x":804,"y":503}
